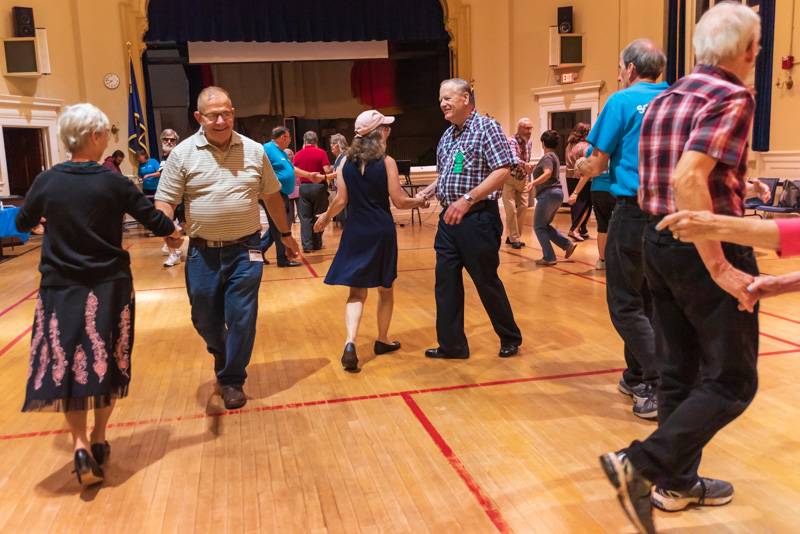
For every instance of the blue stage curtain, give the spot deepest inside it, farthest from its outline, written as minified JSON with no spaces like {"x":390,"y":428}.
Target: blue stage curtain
{"x":764,"y":77}
{"x":295,"y":20}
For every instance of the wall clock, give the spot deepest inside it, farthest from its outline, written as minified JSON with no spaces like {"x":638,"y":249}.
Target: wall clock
{"x":111,"y":80}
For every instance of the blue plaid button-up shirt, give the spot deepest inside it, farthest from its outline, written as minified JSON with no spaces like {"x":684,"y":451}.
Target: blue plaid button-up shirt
{"x":485,"y":148}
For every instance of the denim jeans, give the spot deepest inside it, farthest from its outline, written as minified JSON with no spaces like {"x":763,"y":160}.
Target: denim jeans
{"x":629,"y":302}
{"x":707,"y":351}
{"x":273,"y":235}
{"x":547,"y":204}
{"x":223,"y":291}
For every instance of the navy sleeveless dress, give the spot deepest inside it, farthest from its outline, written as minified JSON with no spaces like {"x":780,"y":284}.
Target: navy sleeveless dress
{"x":367,"y":254}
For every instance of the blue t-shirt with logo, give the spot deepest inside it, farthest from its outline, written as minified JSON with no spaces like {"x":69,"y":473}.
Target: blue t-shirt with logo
{"x":616,"y":133}
{"x":601,"y":182}
{"x":283,"y":168}
{"x":150,"y":166}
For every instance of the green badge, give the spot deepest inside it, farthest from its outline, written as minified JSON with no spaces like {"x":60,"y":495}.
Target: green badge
{"x":458,"y":167}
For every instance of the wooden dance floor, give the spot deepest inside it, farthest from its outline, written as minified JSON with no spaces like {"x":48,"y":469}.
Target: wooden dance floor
{"x":408,"y":444}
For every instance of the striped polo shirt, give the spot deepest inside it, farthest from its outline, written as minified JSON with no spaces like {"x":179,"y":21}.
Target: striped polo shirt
{"x":220,"y":189}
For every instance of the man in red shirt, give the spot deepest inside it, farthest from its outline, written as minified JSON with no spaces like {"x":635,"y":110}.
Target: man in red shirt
{"x":313,"y":189}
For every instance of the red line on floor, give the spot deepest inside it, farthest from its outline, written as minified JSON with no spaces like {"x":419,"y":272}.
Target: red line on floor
{"x":373,"y":396}
{"x":14,"y":341}
{"x":20,"y":301}
{"x":309,"y":267}
{"x":776,"y":338}
{"x":486,"y":502}
{"x":770,"y":314}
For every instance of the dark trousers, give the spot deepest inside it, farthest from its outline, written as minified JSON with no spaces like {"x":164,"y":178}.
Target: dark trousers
{"x":629,"y":301}
{"x":582,"y":209}
{"x":708,"y":351}
{"x":223,"y":291}
{"x":473,"y":244}
{"x":313,"y":201}
{"x":273,"y":235}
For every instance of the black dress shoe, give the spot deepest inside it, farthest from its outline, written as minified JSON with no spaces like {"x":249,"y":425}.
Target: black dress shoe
{"x":290,"y":264}
{"x":349,"y":358}
{"x":101,"y":452}
{"x":438,"y":353}
{"x":233,"y":397}
{"x":516,"y":245}
{"x":507,"y":350}
{"x":383,"y":348}
{"x":86,"y":469}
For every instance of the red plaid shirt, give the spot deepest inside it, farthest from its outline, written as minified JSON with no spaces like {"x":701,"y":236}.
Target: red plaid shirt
{"x":708,"y":111}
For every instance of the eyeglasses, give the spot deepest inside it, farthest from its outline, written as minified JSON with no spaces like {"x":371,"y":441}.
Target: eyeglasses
{"x":170,"y":140}
{"x":214,"y":116}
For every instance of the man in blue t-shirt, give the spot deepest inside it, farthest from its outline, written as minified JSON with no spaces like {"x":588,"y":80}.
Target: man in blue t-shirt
{"x":615,"y":138}
{"x":284,"y":170}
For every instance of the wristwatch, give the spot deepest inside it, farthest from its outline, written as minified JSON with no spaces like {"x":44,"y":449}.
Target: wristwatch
{"x":468,"y":198}
{"x":286,"y":234}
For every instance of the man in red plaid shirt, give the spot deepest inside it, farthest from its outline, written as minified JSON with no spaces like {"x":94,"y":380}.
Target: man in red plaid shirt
{"x":693,"y":155}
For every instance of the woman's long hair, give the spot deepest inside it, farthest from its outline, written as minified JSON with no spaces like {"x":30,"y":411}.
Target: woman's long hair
{"x":578,"y":134}
{"x":368,"y":148}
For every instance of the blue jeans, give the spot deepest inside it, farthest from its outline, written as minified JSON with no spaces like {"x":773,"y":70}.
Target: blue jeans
{"x":547,"y":204}
{"x":223,"y":291}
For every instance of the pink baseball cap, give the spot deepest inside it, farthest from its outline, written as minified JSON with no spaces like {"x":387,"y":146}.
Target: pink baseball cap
{"x":368,"y":120}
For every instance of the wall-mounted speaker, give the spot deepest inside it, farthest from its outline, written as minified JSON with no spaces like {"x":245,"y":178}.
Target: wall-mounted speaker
{"x":23,"y":21}
{"x":565,"y":19}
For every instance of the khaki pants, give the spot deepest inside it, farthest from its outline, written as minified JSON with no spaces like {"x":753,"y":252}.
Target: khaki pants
{"x":515,"y":204}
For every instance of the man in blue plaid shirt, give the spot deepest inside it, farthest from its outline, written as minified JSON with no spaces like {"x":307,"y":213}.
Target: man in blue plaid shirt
{"x":473,"y":162}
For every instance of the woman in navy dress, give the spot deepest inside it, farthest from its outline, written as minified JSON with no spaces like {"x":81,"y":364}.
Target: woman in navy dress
{"x":367,"y":254}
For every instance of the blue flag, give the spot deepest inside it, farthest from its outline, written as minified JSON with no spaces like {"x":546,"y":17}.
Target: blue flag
{"x":137,"y":130}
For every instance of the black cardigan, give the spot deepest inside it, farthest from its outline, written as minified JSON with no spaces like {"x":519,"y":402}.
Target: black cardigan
{"x":84,"y":204}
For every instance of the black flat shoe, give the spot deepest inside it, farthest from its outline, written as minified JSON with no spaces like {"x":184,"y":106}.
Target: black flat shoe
{"x":101,"y":452}
{"x":86,"y":469}
{"x":290,"y":264}
{"x":438,"y":353}
{"x":508,"y":350}
{"x":383,"y":348}
{"x":349,"y":358}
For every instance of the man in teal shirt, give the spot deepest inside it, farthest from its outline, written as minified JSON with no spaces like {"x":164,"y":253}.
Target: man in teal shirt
{"x":615,"y":138}
{"x":284,"y":170}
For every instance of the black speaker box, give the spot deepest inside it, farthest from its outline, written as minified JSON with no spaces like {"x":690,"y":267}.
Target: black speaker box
{"x":565,"y":19}
{"x":23,"y":22}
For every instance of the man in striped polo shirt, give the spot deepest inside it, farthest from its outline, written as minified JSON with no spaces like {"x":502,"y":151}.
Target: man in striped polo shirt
{"x":220,"y":175}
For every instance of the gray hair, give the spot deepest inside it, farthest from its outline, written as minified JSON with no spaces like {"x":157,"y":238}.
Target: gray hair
{"x":77,"y":122}
{"x":340,"y":141}
{"x":167,"y":131}
{"x":646,"y":57}
{"x":310,"y":138}
{"x":368,"y":147}
{"x":724,"y":32}
{"x":462,"y":86}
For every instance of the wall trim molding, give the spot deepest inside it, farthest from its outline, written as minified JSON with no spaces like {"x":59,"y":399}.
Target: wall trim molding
{"x":779,"y":163}
{"x":29,"y":112}
{"x":568,"y":97}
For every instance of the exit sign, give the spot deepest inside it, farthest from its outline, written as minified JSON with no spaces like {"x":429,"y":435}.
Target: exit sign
{"x":569,"y":77}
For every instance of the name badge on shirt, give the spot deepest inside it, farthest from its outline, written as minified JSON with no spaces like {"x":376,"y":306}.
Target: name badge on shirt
{"x":458,"y":167}
{"x":255,"y":255}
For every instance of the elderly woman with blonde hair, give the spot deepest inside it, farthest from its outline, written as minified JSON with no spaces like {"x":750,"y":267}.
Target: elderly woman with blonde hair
{"x":80,"y":357}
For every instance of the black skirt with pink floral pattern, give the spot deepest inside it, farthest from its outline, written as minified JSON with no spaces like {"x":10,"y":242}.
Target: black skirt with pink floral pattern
{"x":81,"y":347}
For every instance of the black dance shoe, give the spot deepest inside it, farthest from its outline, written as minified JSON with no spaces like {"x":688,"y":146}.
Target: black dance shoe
{"x":508,"y":349}
{"x":101,"y":452}
{"x":349,"y":358}
{"x":383,"y":348}
{"x":86,"y":469}
{"x":440,"y":354}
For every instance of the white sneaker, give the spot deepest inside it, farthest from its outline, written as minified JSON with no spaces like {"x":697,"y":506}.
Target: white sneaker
{"x":173,"y":259}
{"x":165,"y":250}
{"x":600,"y":265}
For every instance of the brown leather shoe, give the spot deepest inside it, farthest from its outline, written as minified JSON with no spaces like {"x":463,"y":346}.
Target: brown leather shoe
{"x":233,"y":397}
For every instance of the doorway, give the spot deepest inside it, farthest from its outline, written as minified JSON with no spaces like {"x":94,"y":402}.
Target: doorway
{"x":563,"y":122}
{"x":25,"y":157}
